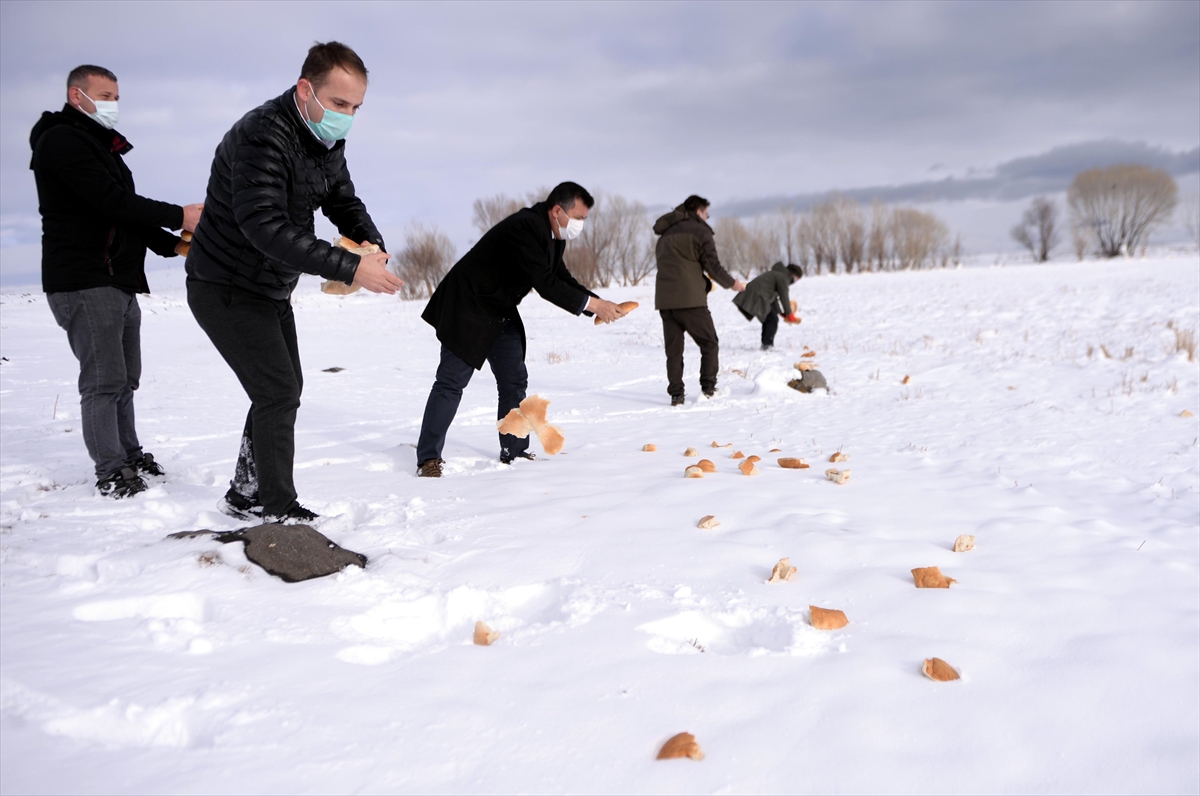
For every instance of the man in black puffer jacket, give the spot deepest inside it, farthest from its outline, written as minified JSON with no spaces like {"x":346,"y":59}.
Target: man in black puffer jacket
{"x":95,"y":230}
{"x":275,"y":167}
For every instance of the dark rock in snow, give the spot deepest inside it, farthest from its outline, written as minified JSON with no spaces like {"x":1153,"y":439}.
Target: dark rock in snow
{"x":809,"y":380}
{"x":334,"y":369}
{"x":289,"y":552}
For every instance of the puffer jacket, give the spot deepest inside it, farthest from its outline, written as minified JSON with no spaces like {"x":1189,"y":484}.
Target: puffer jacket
{"x":767,"y":291}
{"x":95,"y":227}
{"x":270,"y":174}
{"x":686,"y":251}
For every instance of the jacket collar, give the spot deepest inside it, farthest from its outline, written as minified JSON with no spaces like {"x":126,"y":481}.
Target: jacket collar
{"x":542,"y":211}
{"x":112,"y":140}
{"x":309,"y":139}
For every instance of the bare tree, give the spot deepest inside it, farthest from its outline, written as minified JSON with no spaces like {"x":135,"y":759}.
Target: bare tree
{"x":823,"y":235}
{"x":1119,"y":206}
{"x":878,"y":252}
{"x":489,"y":211}
{"x":427,"y":255}
{"x":917,"y":237}
{"x":630,"y":255}
{"x":851,"y":232}
{"x":1038,"y":230}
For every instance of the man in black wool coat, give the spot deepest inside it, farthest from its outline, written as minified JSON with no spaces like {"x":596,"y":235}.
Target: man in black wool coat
{"x":474,"y":310}
{"x":95,"y":230}
{"x":275,"y":167}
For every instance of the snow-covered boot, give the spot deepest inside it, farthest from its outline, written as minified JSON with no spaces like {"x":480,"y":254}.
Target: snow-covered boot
{"x":240,"y":507}
{"x":121,"y":484}
{"x":297,"y":515}
{"x":147,"y":466}
{"x":430,"y":468}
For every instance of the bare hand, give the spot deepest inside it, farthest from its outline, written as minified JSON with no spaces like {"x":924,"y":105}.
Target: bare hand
{"x":605,"y":310}
{"x":738,"y":286}
{"x":372,"y":273}
{"x":191,"y":216}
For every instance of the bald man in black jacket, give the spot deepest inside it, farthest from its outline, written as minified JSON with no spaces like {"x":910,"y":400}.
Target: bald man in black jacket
{"x":474,"y":310}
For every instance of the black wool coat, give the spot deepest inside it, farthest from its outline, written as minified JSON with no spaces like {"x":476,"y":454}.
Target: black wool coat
{"x":269,"y":175}
{"x":95,"y":227}
{"x":483,"y":289}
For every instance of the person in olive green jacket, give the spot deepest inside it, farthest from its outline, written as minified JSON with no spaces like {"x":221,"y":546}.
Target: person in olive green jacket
{"x":766,"y":298}
{"x":687,"y":266}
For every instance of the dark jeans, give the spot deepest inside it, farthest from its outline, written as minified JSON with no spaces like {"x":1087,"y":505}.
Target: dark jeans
{"x":770,"y":327}
{"x":507,"y":361}
{"x":697,"y":322}
{"x":257,"y":338}
{"x":103,"y":326}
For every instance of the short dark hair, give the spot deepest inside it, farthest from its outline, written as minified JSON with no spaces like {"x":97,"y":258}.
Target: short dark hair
{"x":566,"y":193}
{"x":324,"y":58}
{"x":80,"y":74}
{"x":796,"y":270}
{"x":694,"y":203}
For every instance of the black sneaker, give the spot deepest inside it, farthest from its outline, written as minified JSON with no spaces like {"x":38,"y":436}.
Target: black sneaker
{"x":297,"y":515}
{"x":677,"y":400}
{"x":240,"y":507}
{"x":147,"y":466}
{"x":121,"y":484}
{"x":709,"y":392}
{"x":507,"y":458}
{"x":430,"y":468}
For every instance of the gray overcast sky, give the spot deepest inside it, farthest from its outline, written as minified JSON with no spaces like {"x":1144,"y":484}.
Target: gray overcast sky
{"x":736,"y":101}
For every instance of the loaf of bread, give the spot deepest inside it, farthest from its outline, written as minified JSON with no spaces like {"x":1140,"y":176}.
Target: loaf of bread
{"x":937,"y":669}
{"x":827,"y":618}
{"x":626,"y":307}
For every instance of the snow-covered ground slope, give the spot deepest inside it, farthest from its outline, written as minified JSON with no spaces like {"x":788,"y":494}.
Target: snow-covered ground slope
{"x":134,"y":664}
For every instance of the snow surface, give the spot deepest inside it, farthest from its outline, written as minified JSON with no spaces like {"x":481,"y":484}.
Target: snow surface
{"x":134,"y":664}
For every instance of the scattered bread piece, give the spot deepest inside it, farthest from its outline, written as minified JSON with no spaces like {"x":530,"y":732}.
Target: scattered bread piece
{"x":776,"y":450}
{"x":748,"y":468}
{"x":937,"y":669}
{"x":708,"y":522}
{"x":906,"y":379}
{"x":827,"y":618}
{"x":753,"y":458}
{"x":693,"y":472}
{"x":964,"y":543}
{"x":706,"y":466}
{"x":719,"y":445}
{"x":682,"y":745}
{"x":649,"y":448}
{"x":806,"y":366}
{"x":738,"y":455}
{"x":837,"y":476}
{"x":782,"y":572}
{"x":484,"y":635}
{"x":839,"y":457}
{"x":691,"y":452}
{"x":792,"y":463}
{"x":514,"y":423}
{"x":626,"y":307}
{"x":552,"y":439}
{"x":1186,"y":413}
{"x":534,"y":409}
{"x":809,"y":354}
{"x":931,"y":578}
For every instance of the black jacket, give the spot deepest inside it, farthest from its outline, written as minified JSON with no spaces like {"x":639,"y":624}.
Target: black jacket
{"x":269,"y":175}
{"x":766,"y":293}
{"x":483,"y":289}
{"x":95,"y":228}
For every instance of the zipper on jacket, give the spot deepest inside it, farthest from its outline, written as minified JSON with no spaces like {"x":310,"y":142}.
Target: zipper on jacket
{"x":111,"y":232}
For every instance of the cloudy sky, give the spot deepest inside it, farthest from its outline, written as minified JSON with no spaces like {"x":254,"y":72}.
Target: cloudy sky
{"x":745,"y":103}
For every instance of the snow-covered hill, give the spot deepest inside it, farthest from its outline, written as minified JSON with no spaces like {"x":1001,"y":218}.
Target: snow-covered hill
{"x":133,"y":664}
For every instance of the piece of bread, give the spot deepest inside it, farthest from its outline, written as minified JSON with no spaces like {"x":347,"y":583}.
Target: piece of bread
{"x":776,"y":450}
{"x":802,"y":366}
{"x":837,"y":476}
{"x":753,"y":459}
{"x":514,"y":423}
{"x":738,"y":455}
{"x":356,"y":248}
{"x":681,"y":745}
{"x":839,"y":457}
{"x":693,"y":471}
{"x":931,"y":578}
{"x":332,"y":287}
{"x":1184,"y":413}
{"x":649,"y":447}
{"x":792,"y":463}
{"x":534,"y":409}
{"x":185,"y":236}
{"x":827,"y":618}
{"x":626,"y":307}
{"x":484,"y":635}
{"x":718,"y":445}
{"x":706,"y":466}
{"x":964,"y":543}
{"x":782,"y":571}
{"x":691,"y":452}
{"x":906,"y":379}
{"x":808,"y":354}
{"x":937,"y":669}
{"x":795,"y":306}
{"x":552,"y":439}
{"x":707,"y":522}
{"x":748,"y":468}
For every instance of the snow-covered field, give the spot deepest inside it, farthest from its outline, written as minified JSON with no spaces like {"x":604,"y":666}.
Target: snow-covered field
{"x":134,"y":664}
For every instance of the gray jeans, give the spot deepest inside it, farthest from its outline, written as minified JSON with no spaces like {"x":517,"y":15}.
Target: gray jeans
{"x":103,"y":326}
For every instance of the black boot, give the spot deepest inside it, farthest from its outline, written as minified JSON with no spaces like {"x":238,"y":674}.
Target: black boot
{"x":297,"y":515}
{"x":121,"y":484}
{"x":240,"y":507}
{"x":147,"y":466}
{"x":678,"y":400}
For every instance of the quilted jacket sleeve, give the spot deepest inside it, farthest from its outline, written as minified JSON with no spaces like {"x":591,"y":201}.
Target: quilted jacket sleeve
{"x":347,"y":212}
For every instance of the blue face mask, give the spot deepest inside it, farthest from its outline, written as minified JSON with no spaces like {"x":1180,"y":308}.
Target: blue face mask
{"x":333,"y":126}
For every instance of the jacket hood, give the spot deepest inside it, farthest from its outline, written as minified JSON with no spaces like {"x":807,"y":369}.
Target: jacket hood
{"x":783,"y":269}
{"x":116,"y":142}
{"x":671,"y":219}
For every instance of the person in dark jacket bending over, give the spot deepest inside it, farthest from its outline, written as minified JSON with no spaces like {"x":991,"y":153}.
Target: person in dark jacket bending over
{"x":766,"y":298}
{"x":687,"y":258}
{"x":474,"y":310}
{"x":275,"y":167}
{"x":95,"y":230}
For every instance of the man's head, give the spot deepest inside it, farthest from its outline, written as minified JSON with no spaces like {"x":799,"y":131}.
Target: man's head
{"x":569,"y":201}
{"x":88,"y":84}
{"x":333,"y":78}
{"x":796,"y":271}
{"x":698,"y":205}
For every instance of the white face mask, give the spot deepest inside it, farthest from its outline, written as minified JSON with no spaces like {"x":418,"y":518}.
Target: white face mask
{"x":106,"y":112}
{"x":572,"y":229}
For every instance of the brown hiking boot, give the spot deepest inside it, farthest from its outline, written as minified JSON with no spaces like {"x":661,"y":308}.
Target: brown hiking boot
{"x":430,"y":468}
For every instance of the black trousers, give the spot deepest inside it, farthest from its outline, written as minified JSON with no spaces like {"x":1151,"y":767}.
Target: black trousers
{"x":697,"y":322}
{"x":770,"y":327}
{"x":256,"y":336}
{"x":507,"y":361}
